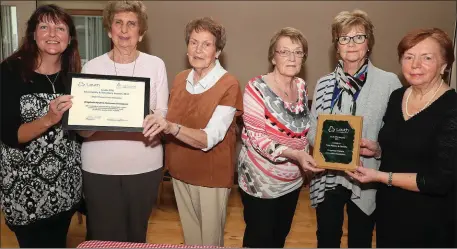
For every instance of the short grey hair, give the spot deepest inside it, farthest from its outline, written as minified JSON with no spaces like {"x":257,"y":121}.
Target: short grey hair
{"x":137,"y":7}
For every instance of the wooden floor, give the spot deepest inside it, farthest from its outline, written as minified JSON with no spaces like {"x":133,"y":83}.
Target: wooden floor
{"x":164,"y":226}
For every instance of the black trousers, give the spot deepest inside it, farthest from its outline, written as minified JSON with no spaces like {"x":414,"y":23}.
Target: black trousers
{"x":268,"y":221}
{"x":50,"y":232}
{"x":330,"y":217}
{"x":119,"y":206}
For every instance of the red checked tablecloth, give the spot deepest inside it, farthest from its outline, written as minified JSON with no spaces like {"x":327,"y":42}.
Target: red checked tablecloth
{"x":114,"y":244}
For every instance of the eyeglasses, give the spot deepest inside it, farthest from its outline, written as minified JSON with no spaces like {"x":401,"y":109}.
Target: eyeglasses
{"x":359,"y":39}
{"x":286,"y":53}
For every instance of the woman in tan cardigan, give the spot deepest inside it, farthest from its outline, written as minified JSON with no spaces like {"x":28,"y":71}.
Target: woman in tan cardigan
{"x":200,"y":125}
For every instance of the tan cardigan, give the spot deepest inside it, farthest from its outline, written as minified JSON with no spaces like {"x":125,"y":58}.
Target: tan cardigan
{"x":214,"y":168}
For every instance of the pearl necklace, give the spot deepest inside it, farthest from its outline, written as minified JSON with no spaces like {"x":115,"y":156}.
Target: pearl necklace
{"x":425,"y":106}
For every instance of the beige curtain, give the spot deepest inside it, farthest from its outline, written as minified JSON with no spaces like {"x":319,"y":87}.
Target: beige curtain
{"x":6,"y":32}
{"x":95,"y":39}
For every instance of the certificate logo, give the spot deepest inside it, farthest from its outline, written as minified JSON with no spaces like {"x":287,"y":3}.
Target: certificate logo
{"x":121,"y":85}
{"x":82,"y":84}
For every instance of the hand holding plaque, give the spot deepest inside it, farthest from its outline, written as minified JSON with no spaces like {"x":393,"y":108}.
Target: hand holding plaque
{"x":369,"y":148}
{"x":337,"y":142}
{"x":306,"y":161}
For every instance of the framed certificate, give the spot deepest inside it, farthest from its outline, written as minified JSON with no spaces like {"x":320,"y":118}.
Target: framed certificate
{"x":107,"y":103}
{"x":337,"y":141}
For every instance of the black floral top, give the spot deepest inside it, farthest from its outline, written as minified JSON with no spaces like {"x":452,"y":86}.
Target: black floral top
{"x":40,"y":178}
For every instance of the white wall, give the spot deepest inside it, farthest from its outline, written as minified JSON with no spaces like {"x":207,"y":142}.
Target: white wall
{"x":87,"y":5}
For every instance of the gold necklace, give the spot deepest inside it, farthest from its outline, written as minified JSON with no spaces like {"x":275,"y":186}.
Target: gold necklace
{"x":285,"y":93}
{"x":134,"y":65}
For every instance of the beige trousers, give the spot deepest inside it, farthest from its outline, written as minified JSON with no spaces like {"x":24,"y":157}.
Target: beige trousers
{"x":202,"y":211}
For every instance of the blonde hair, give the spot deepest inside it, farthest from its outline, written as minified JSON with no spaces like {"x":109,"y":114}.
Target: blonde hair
{"x":345,"y":21}
{"x":114,"y":7}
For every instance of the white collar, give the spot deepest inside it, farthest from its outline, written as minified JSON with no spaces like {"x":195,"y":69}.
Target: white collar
{"x":210,"y":79}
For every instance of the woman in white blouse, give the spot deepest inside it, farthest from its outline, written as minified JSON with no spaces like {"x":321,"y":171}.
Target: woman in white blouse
{"x":122,"y":170}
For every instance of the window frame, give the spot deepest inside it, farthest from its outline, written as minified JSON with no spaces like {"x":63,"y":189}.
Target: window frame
{"x":87,"y":12}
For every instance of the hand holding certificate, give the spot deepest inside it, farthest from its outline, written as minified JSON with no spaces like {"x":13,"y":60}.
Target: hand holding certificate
{"x":155,"y":123}
{"x":107,"y":103}
{"x":57,"y":108}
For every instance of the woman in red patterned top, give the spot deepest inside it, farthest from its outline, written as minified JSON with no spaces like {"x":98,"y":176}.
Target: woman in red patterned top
{"x":275,"y":148}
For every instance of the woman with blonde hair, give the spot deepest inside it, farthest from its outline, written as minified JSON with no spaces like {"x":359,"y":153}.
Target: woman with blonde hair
{"x":120,"y":187}
{"x":355,"y":87}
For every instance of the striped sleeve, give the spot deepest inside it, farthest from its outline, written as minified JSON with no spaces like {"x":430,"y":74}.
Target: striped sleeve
{"x":255,"y":127}
{"x":323,"y":87}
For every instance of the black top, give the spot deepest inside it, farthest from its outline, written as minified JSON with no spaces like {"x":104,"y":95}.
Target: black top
{"x":42,"y":177}
{"x":425,"y":144}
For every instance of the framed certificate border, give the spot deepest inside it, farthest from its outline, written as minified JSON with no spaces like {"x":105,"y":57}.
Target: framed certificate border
{"x":73,"y":77}
{"x":356,"y":124}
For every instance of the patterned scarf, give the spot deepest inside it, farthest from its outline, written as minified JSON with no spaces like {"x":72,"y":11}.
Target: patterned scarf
{"x":349,"y":84}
